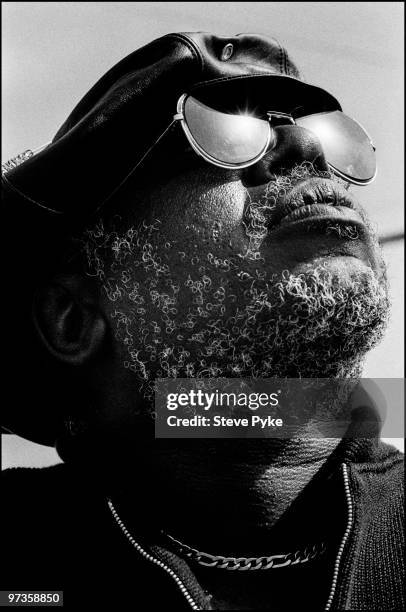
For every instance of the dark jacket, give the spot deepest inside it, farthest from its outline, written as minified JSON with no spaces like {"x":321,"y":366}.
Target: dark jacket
{"x":59,"y":534}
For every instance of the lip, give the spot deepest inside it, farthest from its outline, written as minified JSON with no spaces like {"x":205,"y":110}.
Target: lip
{"x":315,"y":198}
{"x":321,"y":211}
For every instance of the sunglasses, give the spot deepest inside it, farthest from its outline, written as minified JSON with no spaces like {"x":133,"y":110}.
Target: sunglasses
{"x":234,"y":139}
{"x":238,"y":140}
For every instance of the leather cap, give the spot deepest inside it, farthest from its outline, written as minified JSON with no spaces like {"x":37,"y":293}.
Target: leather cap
{"x":58,"y":190}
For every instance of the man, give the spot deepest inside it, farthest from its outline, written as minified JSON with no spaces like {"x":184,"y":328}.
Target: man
{"x":212,"y":234}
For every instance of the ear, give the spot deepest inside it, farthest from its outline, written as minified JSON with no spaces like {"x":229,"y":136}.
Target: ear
{"x":69,"y":320}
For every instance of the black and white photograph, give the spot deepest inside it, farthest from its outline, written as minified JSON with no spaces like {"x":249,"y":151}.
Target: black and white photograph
{"x":203,"y":298}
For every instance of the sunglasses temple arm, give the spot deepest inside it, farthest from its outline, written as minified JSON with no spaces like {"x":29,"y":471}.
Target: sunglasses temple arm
{"x":148,"y":151}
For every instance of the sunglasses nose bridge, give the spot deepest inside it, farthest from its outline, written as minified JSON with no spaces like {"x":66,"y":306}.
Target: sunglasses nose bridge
{"x":275,"y":117}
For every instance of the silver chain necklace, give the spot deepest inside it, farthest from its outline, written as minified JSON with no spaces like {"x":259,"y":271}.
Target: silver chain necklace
{"x":247,"y":563}
{"x":232,"y":563}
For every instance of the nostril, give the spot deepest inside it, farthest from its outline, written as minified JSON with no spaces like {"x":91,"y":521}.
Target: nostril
{"x":308,"y":198}
{"x":227,"y":52}
{"x":320,"y":163}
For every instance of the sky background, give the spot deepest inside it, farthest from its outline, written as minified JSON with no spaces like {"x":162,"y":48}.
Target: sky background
{"x":53,"y":52}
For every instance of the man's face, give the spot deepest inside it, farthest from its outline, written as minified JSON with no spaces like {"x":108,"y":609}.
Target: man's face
{"x":205,"y":274}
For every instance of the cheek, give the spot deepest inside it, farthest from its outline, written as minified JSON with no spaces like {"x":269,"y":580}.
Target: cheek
{"x":201,"y":214}
{"x":223,"y":205}
{"x":209,"y":236}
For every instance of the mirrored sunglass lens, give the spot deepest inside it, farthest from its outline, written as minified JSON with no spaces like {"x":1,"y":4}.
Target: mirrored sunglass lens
{"x":232,"y":139}
{"x":346,"y":145}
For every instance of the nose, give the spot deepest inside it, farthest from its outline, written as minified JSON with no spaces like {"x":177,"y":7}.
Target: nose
{"x":292,"y":145}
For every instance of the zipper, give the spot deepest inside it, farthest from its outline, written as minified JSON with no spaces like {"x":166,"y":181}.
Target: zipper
{"x":189,"y":598}
{"x":154,"y":560}
{"x":350,"y":521}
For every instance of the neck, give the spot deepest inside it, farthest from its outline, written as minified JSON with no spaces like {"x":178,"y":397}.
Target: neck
{"x":226,"y":496}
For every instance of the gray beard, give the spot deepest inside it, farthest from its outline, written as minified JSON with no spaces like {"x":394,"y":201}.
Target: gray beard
{"x":309,"y":325}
